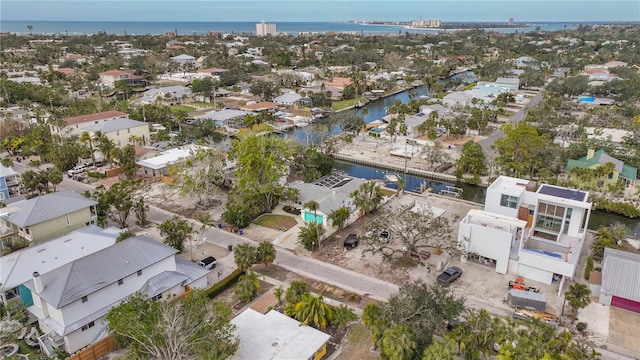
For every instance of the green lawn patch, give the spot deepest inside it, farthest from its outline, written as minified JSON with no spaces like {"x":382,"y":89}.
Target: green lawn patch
{"x":339,"y":105}
{"x":201,"y":104}
{"x":184,"y":108}
{"x":277,"y":222}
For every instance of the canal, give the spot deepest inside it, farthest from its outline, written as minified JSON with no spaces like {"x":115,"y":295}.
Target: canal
{"x":376,"y":110}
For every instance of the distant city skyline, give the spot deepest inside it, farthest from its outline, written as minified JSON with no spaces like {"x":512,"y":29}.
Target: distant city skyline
{"x":314,"y":10}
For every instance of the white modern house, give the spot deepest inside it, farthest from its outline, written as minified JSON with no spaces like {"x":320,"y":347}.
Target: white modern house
{"x":529,"y":231}
{"x":71,"y":301}
{"x":158,"y":165}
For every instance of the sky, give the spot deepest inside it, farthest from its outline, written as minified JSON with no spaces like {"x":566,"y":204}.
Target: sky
{"x":316,"y":10}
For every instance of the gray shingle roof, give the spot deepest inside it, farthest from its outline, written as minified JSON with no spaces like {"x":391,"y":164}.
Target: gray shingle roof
{"x":93,"y":272}
{"x":329,"y":199}
{"x":47,"y":207}
{"x":620,"y":274}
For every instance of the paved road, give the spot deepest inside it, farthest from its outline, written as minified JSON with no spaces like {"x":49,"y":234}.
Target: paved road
{"x":516,"y":118}
{"x":305,"y":266}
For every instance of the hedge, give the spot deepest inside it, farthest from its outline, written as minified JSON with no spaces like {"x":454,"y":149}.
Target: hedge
{"x":224,"y":284}
{"x":588,"y":268}
{"x":96,"y":175}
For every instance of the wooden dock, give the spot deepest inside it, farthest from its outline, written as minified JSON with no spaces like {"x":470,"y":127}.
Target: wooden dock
{"x":397,"y":168}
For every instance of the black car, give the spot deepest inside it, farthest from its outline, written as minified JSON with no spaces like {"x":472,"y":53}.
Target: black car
{"x":450,"y":275}
{"x":207,"y":263}
{"x":351,"y":241}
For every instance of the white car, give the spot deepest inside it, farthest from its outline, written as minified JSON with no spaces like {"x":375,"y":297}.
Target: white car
{"x":207,"y":263}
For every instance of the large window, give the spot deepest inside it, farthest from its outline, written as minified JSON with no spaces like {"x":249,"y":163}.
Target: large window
{"x":549,"y":223}
{"x":509,"y":201}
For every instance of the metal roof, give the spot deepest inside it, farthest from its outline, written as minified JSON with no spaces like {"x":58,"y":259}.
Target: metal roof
{"x":621,"y":274}
{"x":114,"y":125}
{"x":47,"y":207}
{"x":93,"y":272}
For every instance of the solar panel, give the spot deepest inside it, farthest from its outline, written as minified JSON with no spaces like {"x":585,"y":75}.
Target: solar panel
{"x":563,"y":193}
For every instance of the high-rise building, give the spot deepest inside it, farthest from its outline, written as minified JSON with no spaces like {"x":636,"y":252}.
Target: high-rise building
{"x":264,"y":29}
{"x":510,"y":21}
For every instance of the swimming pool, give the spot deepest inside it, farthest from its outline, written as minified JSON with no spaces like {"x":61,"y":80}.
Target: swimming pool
{"x":587,"y":99}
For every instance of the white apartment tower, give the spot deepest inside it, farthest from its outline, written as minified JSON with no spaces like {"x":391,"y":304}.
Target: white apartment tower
{"x":264,"y":28}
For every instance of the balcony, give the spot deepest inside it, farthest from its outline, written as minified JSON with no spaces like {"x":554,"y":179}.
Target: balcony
{"x":560,"y":257}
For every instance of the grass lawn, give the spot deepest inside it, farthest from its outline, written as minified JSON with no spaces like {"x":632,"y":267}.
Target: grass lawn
{"x":389,"y":192}
{"x":185,"y":108}
{"x":201,"y":104}
{"x":339,"y":105}
{"x":276,"y":222}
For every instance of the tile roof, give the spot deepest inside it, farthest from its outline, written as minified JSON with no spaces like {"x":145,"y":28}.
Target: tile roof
{"x":94,"y":117}
{"x":338,"y":82}
{"x":115,"y":73}
{"x":265,"y":105}
{"x":212,"y":70}
{"x":47,"y":207}
{"x":601,"y":157}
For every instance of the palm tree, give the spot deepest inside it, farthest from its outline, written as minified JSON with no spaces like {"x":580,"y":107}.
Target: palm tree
{"x":86,"y":138}
{"x":244,"y":256}
{"x":578,"y":297}
{"x":265,"y":253}
{"x":313,"y":309}
{"x":402,"y":183}
{"x":444,"y":349}
{"x":247,"y":287}
{"x":398,"y":343}
{"x":314,"y":206}
{"x":339,"y":216}
{"x":290,"y":195}
{"x":30,"y":27}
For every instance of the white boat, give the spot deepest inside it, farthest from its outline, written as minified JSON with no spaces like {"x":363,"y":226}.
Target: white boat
{"x":391,"y":178}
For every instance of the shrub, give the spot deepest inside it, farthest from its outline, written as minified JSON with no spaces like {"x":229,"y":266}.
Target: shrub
{"x":224,"y":284}
{"x":96,"y":175}
{"x":581,"y":326}
{"x":588,"y":268}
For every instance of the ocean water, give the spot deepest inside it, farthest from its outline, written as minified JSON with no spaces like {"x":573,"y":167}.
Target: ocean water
{"x":200,"y":28}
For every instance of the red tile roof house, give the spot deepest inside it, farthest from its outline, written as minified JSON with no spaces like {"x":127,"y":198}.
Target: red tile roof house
{"x":271,"y":107}
{"x":338,"y":82}
{"x":109,"y":78}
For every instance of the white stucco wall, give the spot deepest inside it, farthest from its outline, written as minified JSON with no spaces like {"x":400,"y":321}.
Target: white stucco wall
{"x":533,"y":273}
{"x":487,"y":242}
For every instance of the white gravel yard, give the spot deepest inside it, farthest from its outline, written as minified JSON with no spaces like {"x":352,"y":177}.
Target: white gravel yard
{"x":597,"y":317}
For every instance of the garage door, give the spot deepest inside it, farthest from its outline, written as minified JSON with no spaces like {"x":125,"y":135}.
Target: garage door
{"x":625,"y":304}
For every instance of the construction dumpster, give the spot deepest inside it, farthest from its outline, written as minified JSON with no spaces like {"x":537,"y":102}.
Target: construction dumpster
{"x":527,"y":299}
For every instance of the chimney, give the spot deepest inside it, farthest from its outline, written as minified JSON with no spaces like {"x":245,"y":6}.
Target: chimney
{"x":590,"y":153}
{"x":37,"y":282}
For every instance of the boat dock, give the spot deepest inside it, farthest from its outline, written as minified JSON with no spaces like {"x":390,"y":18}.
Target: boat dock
{"x":396,"y":168}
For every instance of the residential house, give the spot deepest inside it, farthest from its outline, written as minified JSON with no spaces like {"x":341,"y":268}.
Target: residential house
{"x":537,"y":234}
{"x":76,"y":58}
{"x":461,"y":98}
{"x":620,"y":291}
{"x":276,"y":336}
{"x":115,"y":125}
{"x":213,"y":72}
{"x":292,"y":99}
{"x":45,"y":217}
{"x":168,"y":95}
{"x":230,"y":119}
{"x":331,"y":192}
{"x":524,"y":61}
{"x":71,"y":301}
{"x":109,"y":78}
{"x":259,"y":107}
{"x":595,"y":160}
{"x":184,"y":59}
{"x":338,"y":82}
{"x":9,"y":183}
{"x":17,"y":267}
{"x":158,"y":165}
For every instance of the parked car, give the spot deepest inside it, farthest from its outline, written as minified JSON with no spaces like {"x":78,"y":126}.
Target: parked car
{"x":385,"y":236}
{"x":450,"y":275}
{"x":78,"y":169}
{"x":351,"y":241}
{"x":207,"y":263}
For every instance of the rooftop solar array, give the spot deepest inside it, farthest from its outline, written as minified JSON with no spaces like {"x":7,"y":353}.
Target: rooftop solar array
{"x":333,"y":180}
{"x":570,"y":194}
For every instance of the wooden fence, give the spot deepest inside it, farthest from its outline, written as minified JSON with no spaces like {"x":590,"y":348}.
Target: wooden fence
{"x":95,"y":350}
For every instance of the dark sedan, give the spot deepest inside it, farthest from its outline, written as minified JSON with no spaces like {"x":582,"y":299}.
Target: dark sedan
{"x":450,"y":275}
